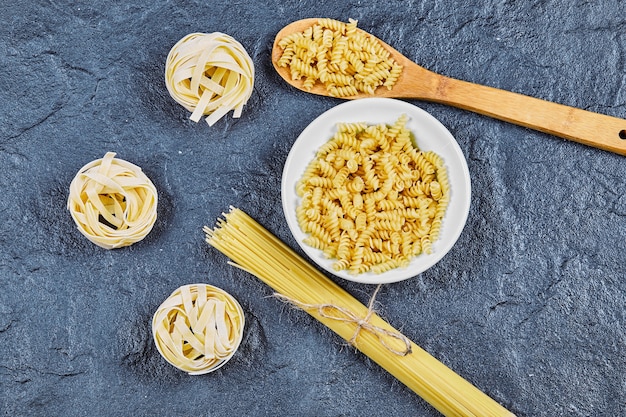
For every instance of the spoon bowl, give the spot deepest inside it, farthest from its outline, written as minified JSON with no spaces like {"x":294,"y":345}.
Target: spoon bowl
{"x":416,"y":82}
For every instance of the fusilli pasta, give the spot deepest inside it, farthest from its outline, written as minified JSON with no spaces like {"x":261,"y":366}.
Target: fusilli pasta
{"x":347,"y":61}
{"x":371,"y":199}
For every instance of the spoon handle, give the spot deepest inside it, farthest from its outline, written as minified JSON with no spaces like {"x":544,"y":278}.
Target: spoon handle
{"x":593,"y":129}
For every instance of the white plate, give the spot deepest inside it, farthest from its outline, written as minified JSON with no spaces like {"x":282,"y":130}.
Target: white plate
{"x":429,"y":134}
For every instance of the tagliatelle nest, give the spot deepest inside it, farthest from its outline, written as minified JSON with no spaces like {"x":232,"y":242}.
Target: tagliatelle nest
{"x":113,"y":203}
{"x":198,"y":328}
{"x":209,"y":74}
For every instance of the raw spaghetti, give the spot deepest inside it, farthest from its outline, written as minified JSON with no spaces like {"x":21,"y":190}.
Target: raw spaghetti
{"x":254,"y":249}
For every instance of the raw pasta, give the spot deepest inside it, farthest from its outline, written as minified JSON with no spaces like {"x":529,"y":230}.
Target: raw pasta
{"x":198,"y":328}
{"x":347,"y":61}
{"x":253,"y":248}
{"x":209,"y":74}
{"x":371,"y":199}
{"x":113,"y":203}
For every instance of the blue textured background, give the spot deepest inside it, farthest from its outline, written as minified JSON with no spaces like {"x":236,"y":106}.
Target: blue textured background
{"x":529,"y":305}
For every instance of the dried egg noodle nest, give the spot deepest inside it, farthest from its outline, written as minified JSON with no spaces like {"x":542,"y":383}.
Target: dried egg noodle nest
{"x":113,"y":203}
{"x":198,"y":328}
{"x":209,"y":74}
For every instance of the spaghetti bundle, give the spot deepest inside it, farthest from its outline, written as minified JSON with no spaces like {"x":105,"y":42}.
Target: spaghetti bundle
{"x":209,"y":74}
{"x":198,"y":328}
{"x":113,"y":203}
{"x":254,"y":249}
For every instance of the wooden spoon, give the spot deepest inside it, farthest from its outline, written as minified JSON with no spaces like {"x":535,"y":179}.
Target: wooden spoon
{"x":416,"y":82}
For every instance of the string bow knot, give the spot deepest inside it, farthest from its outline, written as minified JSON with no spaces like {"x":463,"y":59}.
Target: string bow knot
{"x":333,"y":312}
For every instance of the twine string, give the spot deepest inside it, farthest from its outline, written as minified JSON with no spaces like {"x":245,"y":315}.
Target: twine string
{"x":334,"y":312}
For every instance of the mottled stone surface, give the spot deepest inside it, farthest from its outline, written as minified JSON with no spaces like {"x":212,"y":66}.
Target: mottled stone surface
{"x":529,"y":305}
